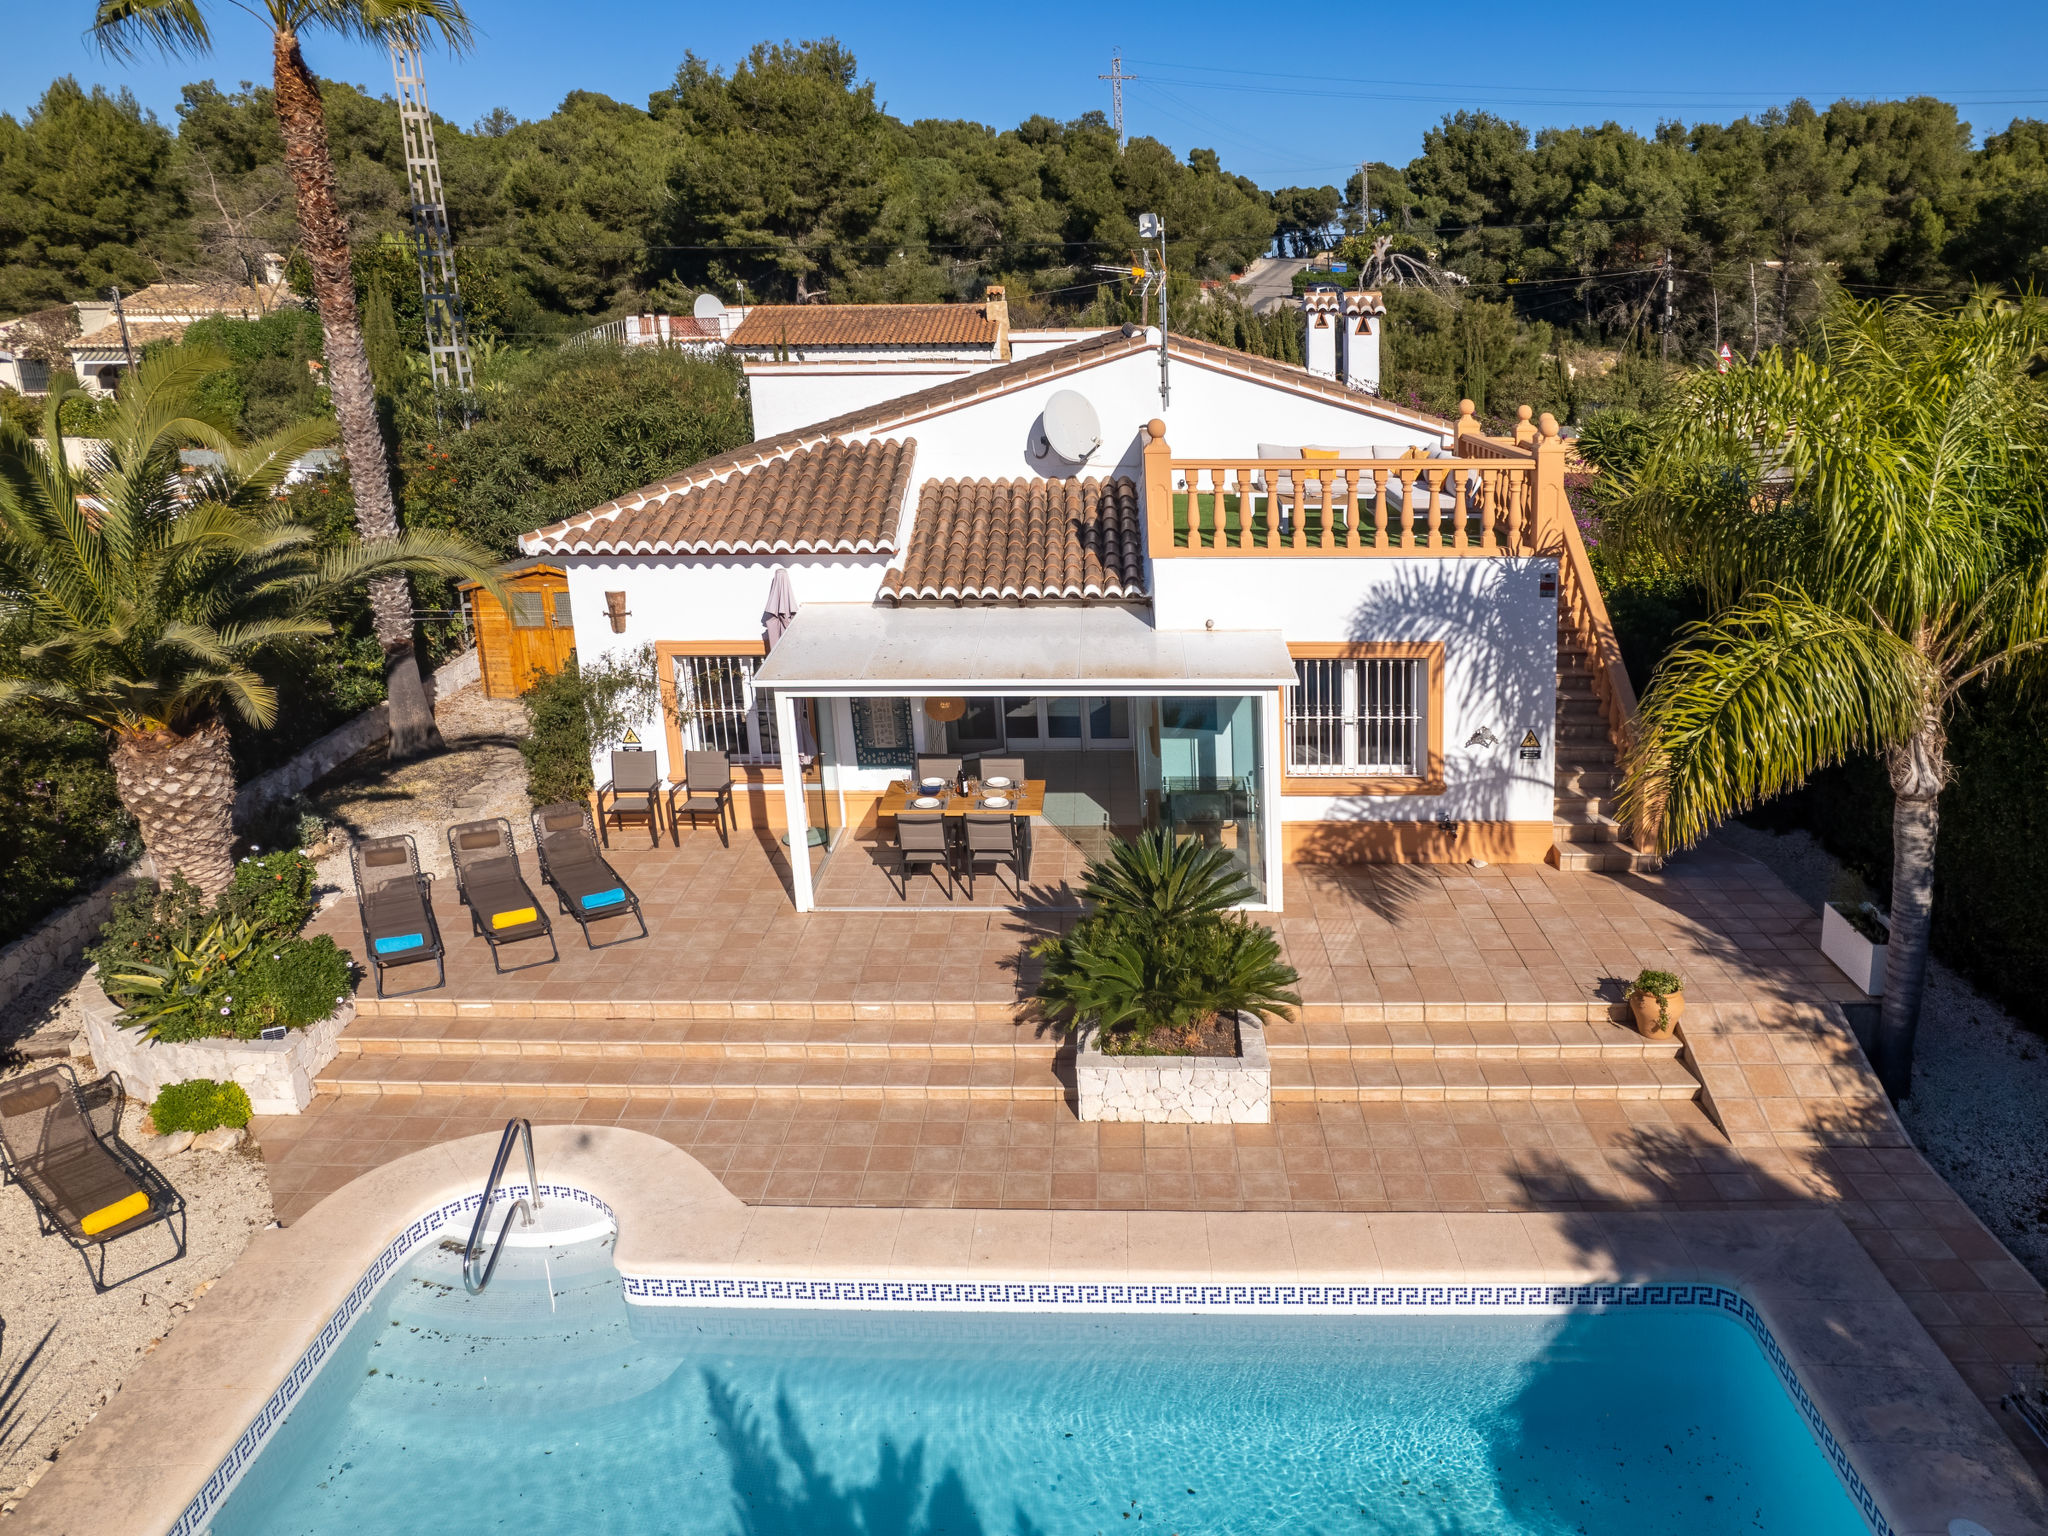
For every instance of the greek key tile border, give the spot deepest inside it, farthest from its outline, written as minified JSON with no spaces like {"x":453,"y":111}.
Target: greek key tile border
{"x":1056,"y":1296}
{"x":224,"y":1477}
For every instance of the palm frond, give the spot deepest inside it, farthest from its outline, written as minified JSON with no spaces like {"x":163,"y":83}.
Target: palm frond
{"x":417,"y":21}
{"x":171,"y":26}
{"x":1748,"y":704}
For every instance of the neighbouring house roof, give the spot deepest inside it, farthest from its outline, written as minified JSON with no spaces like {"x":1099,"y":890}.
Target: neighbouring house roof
{"x":831,"y":498}
{"x":196,"y":299}
{"x":140,"y":334}
{"x":866,"y":325}
{"x":1022,"y":540}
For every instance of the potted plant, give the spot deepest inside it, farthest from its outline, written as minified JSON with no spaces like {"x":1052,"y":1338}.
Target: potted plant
{"x":1656,"y":998}
{"x":1857,"y":937}
{"x":1166,"y":987}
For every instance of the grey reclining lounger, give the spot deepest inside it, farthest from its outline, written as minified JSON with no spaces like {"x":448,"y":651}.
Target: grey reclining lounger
{"x":502,"y":906}
{"x":85,"y":1183}
{"x":587,"y":887}
{"x":395,"y":902}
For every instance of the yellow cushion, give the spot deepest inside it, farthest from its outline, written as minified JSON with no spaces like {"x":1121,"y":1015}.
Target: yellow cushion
{"x":1321,"y":453}
{"x":113,"y":1215}
{"x":514,"y":918}
{"x":1415,"y":453}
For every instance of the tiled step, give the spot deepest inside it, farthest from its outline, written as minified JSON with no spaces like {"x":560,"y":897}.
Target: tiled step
{"x":1608,"y":858}
{"x":1315,"y":1079}
{"x":770,"y":1039}
{"x":1525,"y":1042}
{"x":1574,"y":733}
{"x":1579,"y":711}
{"x":1586,"y":828}
{"x":1587,"y":778}
{"x":692,"y":1077}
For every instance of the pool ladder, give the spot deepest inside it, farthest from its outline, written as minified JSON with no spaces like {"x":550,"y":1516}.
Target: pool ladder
{"x":518,"y":1126}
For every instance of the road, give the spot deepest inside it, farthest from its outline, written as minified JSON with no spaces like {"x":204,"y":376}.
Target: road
{"x":1268,"y":280}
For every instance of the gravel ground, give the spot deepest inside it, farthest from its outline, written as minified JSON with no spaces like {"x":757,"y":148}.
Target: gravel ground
{"x":480,"y":774}
{"x":65,"y":1350}
{"x":1980,"y":1080}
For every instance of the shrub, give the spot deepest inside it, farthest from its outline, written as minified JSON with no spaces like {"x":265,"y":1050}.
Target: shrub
{"x":296,"y":983}
{"x":65,"y":827}
{"x":199,"y":1105}
{"x":1656,"y":984}
{"x":583,"y":706}
{"x":146,"y":923}
{"x":188,"y":994}
{"x":1160,"y":950}
{"x":273,"y":892}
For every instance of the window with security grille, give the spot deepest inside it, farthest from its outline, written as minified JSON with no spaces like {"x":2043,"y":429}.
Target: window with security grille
{"x":721,"y":711}
{"x":1350,"y":716}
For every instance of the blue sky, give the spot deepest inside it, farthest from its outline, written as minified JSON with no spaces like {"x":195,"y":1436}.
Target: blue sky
{"x":1282,"y":101}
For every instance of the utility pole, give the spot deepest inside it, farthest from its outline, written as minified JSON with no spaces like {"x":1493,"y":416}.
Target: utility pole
{"x":1669,"y":283}
{"x":1116,"y":78}
{"x":447,"y":335}
{"x":121,"y":315}
{"x":1755,"y":331}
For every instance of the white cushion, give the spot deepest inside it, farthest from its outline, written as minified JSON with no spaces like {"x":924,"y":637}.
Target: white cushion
{"x":1278,"y":451}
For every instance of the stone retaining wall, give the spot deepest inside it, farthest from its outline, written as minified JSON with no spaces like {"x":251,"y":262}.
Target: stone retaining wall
{"x":62,"y":936}
{"x":1179,"y":1090}
{"x":276,"y":1074}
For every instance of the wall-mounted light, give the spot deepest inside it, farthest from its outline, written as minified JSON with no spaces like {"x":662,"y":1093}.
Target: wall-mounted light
{"x":615,"y":610}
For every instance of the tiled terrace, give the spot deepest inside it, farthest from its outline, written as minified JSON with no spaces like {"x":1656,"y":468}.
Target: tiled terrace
{"x":1428,"y":964}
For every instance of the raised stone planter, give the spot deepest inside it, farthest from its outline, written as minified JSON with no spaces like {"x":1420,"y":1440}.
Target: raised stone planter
{"x":276,"y":1074}
{"x":1179,"y":1090}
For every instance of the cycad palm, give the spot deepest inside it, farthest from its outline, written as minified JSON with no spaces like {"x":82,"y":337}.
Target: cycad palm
{"x":145,"y":602}
{"x":1869,"y":521}
{"x":179,"y":26}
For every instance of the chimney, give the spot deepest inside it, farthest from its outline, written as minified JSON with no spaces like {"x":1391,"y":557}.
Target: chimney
{"x":1358,"y":342}
{"x":1321,"y":313}
{"x":996,"y":304}
{"x":273,"y":268}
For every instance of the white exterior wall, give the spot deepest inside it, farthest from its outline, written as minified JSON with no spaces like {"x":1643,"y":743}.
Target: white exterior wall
{"x":697,"y":598}
{"x":1361,"y":361}
{"x":791,"y":395}
{"x":1499,"y":634}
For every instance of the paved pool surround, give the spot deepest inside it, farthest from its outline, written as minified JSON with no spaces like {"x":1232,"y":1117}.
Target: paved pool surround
{"x":1924,"y":1446}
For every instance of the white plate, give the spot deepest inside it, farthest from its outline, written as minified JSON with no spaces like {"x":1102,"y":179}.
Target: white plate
{"x":995,"y":803}
{"x":997,"y":783}
{"x":927,"y":802}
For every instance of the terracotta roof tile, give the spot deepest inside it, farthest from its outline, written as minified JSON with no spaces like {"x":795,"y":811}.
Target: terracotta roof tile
{"x":140,"y":334}
{"x":841,"y":498}
{"x":866,"y":325}
{"x":990,"y":541}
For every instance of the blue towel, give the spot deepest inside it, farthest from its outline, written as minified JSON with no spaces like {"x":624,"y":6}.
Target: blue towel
{"x":400,"y":941}
{"x":610,"y":898}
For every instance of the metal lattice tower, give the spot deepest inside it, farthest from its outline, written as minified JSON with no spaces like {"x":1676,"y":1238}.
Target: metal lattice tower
{"x":1117,"y":80}
{"x":447,"y":335}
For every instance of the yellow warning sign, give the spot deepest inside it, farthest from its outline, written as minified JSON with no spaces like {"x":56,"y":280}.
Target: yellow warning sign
{"x":1531,"y":748}
{"x":631,"y":740}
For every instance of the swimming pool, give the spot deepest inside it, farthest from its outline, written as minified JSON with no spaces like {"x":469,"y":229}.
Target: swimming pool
{"x":551,"y":1405}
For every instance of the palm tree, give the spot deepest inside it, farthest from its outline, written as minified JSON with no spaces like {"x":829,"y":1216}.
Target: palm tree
{"x":1868,"y":520}
{"x":146,"y":601}
{"x":175,"y":26}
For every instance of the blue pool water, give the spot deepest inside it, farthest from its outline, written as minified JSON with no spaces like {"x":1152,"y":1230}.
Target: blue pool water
{"x":549,"y":1406}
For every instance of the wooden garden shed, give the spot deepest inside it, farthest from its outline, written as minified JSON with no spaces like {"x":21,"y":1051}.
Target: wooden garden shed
{"x":535,"y":636}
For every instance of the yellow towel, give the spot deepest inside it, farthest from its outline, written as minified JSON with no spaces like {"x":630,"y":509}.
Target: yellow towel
{"x":513,"y":918}
{"x":113,"y":1215}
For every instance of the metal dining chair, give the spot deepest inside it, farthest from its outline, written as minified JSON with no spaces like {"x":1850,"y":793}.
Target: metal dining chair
{"x":922,"y":842}
{"x":705,"y":790}
{"x":947,"y":768}
{"x":634,"y":790}
{"x":991,"y":840}
{"x":1011,"y":768}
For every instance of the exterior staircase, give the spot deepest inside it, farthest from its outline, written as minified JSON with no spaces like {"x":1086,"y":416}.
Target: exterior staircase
{"x":1587,"y":835}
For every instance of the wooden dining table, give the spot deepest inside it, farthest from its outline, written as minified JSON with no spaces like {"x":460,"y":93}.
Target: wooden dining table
{"x":1026,"y":801}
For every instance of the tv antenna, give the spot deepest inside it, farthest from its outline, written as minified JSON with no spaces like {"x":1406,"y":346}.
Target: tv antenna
{"x":432,"y":250}
{"x":1116,"y":78}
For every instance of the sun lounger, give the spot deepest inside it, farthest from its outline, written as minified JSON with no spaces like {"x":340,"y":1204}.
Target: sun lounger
{"x":502,"y":907}
{"x":588,"y":888}
{"x":395,"y":901}
{"x":84,"y":1181}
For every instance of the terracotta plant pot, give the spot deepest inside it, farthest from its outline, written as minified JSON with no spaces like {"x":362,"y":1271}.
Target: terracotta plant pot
{"x":1650,"y":1021}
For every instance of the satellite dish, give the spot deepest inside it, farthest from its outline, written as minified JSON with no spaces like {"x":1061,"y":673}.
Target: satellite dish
{"x":1069,"y":427}
{"x":709,"y":306}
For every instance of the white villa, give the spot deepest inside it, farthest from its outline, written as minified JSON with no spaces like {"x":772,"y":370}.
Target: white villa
{"x":1263,"y":606}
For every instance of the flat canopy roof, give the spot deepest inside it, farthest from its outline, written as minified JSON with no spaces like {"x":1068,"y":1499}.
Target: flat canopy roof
{"x":856,"y":648}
